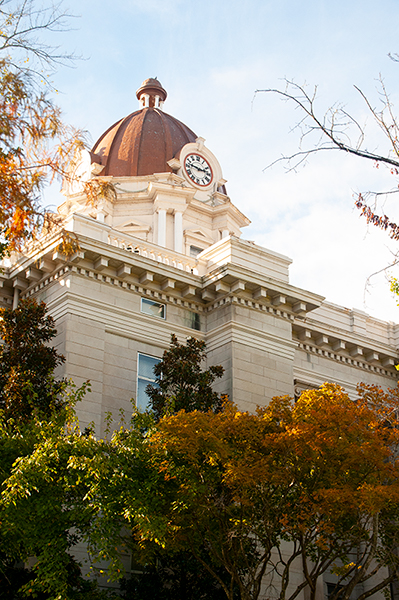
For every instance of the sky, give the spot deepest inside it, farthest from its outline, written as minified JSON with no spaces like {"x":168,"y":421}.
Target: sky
{"x":211,"y":56}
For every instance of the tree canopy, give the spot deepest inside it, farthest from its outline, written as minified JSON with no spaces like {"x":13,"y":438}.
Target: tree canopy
{"x":39,"y":438}
{"x":44,"y":511}
{"x":181,"y":383}
{"x":27,"y":362}
{"x":309,"y":487}
{"x":264,"y":503}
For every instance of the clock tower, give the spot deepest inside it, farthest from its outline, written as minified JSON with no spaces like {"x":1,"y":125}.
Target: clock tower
{"x":169,"y":188}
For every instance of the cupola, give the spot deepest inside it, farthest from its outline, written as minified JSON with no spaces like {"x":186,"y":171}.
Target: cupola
{"x":151,"y":94}
{"x":143,"y":142}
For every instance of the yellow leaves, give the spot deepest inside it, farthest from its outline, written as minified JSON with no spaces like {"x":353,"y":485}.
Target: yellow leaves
{"x":35,"y":146}
{"x":345,"y":569}
{"x":324,"y":457}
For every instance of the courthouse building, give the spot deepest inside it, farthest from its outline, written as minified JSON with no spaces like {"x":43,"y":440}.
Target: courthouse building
{"x":165,"y":255}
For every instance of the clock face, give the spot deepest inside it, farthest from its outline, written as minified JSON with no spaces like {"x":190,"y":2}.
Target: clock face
{"x":198,"y":169}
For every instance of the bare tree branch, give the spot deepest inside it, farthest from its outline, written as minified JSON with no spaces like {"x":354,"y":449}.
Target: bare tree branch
{"x":337,"y":129}
{"x":333,"y":125}
{"x":22,"y":46}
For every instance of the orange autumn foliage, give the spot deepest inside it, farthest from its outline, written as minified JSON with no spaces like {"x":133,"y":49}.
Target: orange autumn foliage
{"x":36,"y":147}
{"x":321,"y":474}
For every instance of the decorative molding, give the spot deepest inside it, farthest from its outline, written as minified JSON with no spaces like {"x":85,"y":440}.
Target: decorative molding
{"x":119,"y":321}
{"x":236,"y":299}
{"x":347,"y":360}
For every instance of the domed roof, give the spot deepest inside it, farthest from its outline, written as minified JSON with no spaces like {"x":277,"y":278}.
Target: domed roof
{"x":143,"y":142}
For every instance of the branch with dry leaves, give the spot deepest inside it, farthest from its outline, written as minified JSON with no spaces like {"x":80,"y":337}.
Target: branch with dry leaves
{"x":36,"y":145}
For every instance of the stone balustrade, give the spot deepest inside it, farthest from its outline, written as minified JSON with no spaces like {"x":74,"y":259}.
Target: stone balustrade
{"x":157,"y":253}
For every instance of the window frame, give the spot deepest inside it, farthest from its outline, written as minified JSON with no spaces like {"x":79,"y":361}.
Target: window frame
{"x":148,"y":380}
{"x":149,"y":302}
{"x":193,"y":320}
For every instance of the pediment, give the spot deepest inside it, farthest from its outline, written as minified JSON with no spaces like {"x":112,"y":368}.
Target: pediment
{"x":133,"y":225}
{"x":198,"y":235}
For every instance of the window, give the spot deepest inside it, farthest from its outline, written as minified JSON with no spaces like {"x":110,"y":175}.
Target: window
{"x":194,"y":251}
{"x":155,"y":309}
{"x":193,"y":321}
{"x":145,"y":375}
{"x":332,"y":589}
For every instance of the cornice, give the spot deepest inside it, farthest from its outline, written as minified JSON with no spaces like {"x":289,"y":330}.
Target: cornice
{"x":228,"y":206}
{"x":226,"y":285}
{"x":376,"y":362}
{"x":142,"y":290}
{"x":119,"y":321}
{"x":355,"y":351}
{"x":262,"y":290}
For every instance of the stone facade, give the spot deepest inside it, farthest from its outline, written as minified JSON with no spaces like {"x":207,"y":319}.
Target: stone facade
{"x":271,"y":338}
{"x":171,"y":242}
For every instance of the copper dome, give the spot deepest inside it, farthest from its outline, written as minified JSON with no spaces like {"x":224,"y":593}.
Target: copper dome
{"x":143,"y":142}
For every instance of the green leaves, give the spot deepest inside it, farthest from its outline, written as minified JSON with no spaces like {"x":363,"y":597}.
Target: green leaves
{"x":181,"y":384}
{"x":27,"y":362}
{"x":48,"y":474}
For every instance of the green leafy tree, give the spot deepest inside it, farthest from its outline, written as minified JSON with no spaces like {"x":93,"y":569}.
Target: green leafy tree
{"x":18,"y":583}
{"x":27,"y":361}
{"x":43,"y":511}
{"x":181,"y":383}
{"x":44,"y":508}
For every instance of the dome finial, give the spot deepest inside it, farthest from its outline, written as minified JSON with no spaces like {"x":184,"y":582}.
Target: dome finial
{"x":151,"y":94}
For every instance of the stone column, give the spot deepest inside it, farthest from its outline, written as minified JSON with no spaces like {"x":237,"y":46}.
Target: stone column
{"x":15,"y":298}
{"x":178,"y":232}
{"x":162,"y":227}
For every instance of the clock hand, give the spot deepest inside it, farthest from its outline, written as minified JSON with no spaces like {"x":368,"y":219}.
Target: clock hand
{"x":198,"y":168}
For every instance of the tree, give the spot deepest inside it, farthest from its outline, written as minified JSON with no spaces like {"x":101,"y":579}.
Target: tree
{"x":181,"y":384}
{"x":44,"y":510}
{"x":36,"y":146}
{"x":22,"y":23}
{"x":58,"y":486}
{"x":172,"y":577}
{"x":311,"y":486}
{"x":337,"y":129}
{"x":27,"y":362}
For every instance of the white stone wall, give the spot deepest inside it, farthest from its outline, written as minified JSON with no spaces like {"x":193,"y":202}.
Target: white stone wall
{"x":268,"y":335}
